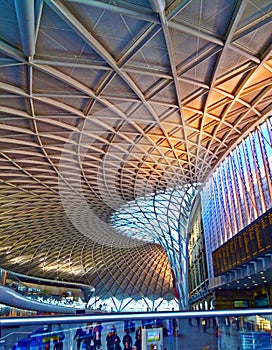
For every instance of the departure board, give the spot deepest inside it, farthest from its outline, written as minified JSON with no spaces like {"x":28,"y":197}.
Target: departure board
{"x":255,"y":340}
{"x":253,"y":241}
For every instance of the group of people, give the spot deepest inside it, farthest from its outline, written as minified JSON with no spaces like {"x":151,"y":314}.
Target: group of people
{"x":91,"y":337}
{"x":46,"y":337}
{"x":113,"y":341}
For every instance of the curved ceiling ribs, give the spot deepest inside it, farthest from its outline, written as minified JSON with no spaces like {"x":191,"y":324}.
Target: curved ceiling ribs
{"x":104,"y":104}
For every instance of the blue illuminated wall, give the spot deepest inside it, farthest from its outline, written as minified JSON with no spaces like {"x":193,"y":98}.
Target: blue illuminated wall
{"x":239,"y":191}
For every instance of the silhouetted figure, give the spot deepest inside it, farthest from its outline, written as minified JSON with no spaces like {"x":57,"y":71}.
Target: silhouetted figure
{"x":97,"y":335}
{"x":109,"y":340}
{"x":138,"y":343}
{"x":127,"y":346}
{"x":89,"y":336}
{"x":127,"y":338}
{"x":204,"y":325}
{"x":79,"y":337}
{"x":116,"y":342}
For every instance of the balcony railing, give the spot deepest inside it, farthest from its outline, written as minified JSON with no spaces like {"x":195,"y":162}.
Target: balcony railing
{"x":242,"y":329}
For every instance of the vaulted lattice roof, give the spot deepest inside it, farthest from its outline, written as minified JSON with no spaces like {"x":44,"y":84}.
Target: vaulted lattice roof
{"x":106,"y":102}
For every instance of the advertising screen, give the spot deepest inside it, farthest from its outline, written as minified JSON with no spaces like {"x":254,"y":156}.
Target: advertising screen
{"x":152,"y":335}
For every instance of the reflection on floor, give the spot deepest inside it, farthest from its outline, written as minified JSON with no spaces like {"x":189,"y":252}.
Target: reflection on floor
{"x":189,"y":335}
{"x":193,"y":337}
{"x":196,"y":337}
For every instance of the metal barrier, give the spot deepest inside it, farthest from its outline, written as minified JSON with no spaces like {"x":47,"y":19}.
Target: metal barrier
{"x":243,"y":329}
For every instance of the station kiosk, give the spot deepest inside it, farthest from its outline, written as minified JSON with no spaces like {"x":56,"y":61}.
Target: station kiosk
{"x":152,"y":338}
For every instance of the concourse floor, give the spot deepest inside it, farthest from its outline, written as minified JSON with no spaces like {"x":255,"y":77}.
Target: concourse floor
{"x":195,"y":338}
{"x":192,"y":338}
{"x":188,"y":337}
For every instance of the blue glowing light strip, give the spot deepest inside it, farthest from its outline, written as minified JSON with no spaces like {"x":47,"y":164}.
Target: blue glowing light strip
{"x":113,"y":317}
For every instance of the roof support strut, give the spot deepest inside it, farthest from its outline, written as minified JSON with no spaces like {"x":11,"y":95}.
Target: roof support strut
{"x":26,"y":21}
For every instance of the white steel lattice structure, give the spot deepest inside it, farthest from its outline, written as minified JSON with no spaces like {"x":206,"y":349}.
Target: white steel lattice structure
{"x":109,"y":105}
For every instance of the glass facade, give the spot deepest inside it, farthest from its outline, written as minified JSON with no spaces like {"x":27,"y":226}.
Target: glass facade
{"x":239,"y":191}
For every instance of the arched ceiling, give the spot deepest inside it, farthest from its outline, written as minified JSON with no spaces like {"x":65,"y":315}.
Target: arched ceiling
{"x":106,"y":102}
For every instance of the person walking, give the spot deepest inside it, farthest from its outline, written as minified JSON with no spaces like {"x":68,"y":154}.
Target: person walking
{"x":58,"y":337}
{"x":227,"y":326}
{"x":97,"y":336}
{"x":109,"y":340}
{"x":116,"y":341}
{"x":89,"y":336}
{"x":127,"y":346}
{"x":138,"y":343}
{"x":79,"y":337}
{"x":204,"y":325}
{"x":127,"y":338}
{"x":138,"y":332}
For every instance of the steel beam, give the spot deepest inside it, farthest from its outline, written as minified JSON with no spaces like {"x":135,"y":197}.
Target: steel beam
{"x":26,"y":21}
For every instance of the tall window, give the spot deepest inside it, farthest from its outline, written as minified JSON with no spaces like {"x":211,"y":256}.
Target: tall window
{"x":239,"y":191}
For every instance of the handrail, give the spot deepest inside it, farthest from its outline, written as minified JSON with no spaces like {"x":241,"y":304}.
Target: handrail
{"x":111,"y":317}
{"x":39,"y":280}
{"x":12,"y":298}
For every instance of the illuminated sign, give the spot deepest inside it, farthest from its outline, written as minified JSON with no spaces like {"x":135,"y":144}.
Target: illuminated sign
{"x":255,"y":340}
{"x":251,"y":242}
